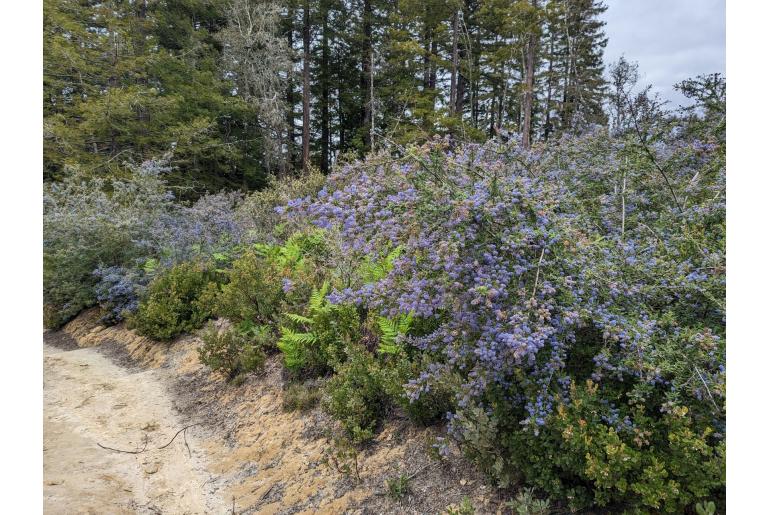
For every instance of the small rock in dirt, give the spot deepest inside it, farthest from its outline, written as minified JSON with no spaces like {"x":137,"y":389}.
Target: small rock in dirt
{"x":150,"y":426}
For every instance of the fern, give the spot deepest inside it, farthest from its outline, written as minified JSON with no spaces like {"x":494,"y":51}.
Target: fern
{"x":391,"y":329}
{"x":295,"y":345}
{"x":298,"y":319}
{"x":318,"y":298}
{"x":376,"y":270}
{"x":292,"y":344}
{"x":290,"y":255}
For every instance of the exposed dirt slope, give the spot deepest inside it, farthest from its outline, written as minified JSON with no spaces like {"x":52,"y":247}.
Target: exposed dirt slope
{"x":248,"y":452}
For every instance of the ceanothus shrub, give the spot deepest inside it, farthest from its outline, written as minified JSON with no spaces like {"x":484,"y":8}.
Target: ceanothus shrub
{"x":104,"y":240}
{"x":541,"y":271}
{"x":90,"y":223}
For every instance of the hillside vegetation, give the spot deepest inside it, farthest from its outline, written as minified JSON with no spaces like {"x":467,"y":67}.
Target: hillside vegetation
{"x":560,"y":308}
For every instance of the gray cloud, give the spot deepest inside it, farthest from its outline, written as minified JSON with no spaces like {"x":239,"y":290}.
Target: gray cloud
{"x":670,"y":39}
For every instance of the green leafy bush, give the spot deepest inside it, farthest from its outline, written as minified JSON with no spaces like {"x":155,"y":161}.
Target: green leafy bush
{"x":356,"y":395}
{"x":175,"y":302}
{"x":234,"y":352}
{"x":266,"y":279}
{"x":657,"y":463}
{"x":252,"y":290}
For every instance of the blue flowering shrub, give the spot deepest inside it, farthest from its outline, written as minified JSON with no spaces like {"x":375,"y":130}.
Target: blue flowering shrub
{"x":104,"y":240}
{"x":177,"y":301}
{"x":118,"y":291}
{"x":572,"y":300}
{"x":92,"y":223}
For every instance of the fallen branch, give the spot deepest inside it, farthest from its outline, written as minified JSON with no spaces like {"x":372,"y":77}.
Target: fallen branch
{"x":262,"y":497}
{"x":189,"y":453}
{"x":126,"y":452}
{"x":144,"y":449}
{"x":177,"y":434}
{"x":413,"y":474}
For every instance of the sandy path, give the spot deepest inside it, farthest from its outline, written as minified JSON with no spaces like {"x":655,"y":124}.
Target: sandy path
{"x":89,"y":399}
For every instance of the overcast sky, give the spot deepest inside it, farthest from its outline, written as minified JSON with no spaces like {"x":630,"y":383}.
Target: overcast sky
{"x":670,"y":39}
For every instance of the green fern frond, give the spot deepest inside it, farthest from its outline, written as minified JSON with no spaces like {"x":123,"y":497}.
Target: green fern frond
{"x":318,"y":297}
{"x":391,"y":329}
{"x":293,"y":338}
{"x":299,"y":319}
{"x":290,"y":254}
{"x":405,"y":323}
{"x":292,"y":345}
{"x":373,"y":270}
{"x":388,"y":328}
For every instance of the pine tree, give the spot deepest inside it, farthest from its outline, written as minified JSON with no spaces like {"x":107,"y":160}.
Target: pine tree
{"x":580,"y":47}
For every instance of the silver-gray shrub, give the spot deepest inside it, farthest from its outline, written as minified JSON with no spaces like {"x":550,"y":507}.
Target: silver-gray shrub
{"x":92,"y":222}
{"x":105,"y":239}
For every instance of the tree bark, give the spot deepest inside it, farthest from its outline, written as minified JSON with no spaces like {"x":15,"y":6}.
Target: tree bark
{"x":366,"y":78}
{"x":306,"y":87}
{"x":325,"y":136}
{"x":547,"y":127}
{"x":526,"y":130}
{"x":291,"y":137}
{"x":455,"y":59}
{"x":433,"y":70}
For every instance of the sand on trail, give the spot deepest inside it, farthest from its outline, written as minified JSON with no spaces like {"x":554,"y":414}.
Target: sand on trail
{"x":89,"y":400}
{"x":111,"y":386}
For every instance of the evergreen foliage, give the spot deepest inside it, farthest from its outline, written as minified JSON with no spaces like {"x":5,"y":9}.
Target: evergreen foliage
{"x":175,"y":303}
{"x":234,"y":352}
{"x":127,"y":81}
{"x":218,"y":82}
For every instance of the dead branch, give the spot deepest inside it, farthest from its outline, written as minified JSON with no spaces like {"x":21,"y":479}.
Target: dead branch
{"x":177,"y":434}
{"x":126,"y":452}
{"x":144,"y":449}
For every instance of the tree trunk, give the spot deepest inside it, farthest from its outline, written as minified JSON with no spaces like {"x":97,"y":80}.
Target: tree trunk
{"x":475,"y":77}
{"x":366,"y":66}
{"x":547,"y":127}
{"x":325,"y":89}
{"x":526,"y":130}
{"x":291,"y":137}
{"x":433,"y":70}
{"x":306,"y":87}
{"x":455,"y":59}
{"x":426,"y":59}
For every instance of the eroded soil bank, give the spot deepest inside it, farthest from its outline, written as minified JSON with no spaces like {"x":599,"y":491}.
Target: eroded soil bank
{"x":111,"y":387}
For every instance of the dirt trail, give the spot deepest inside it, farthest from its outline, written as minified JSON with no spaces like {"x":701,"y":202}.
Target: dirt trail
{"x":89,"y":400}
{"x":111,"y":386}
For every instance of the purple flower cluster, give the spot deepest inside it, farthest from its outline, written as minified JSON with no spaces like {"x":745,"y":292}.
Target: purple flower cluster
{"x":513,"y":255}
